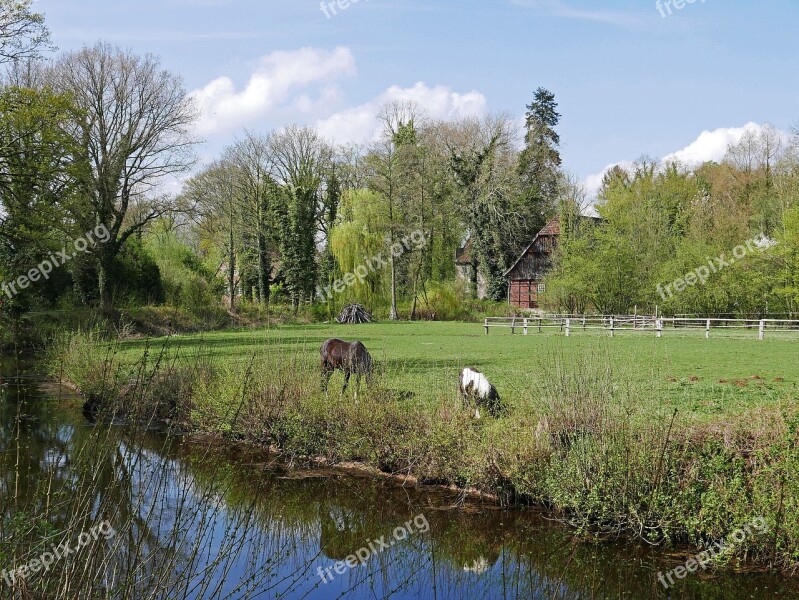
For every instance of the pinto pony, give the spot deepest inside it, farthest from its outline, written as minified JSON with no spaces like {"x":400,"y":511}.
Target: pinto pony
{"x":349,"y":357}
{"x":475,"y":386}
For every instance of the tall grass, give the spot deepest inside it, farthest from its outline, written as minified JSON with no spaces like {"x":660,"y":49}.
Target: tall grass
{"x":590,"y":444}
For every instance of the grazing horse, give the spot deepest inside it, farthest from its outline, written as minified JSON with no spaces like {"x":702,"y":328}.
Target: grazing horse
{"x":349,"y":357}
{"x":475,"y":386}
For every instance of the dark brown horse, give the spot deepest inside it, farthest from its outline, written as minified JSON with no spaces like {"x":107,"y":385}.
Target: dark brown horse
{"x":349,"y":357}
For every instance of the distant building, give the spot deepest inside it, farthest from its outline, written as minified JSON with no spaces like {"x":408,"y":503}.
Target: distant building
{"x":526,"y":276}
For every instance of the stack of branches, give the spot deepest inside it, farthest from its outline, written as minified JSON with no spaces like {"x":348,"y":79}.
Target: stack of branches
{"x":354,"y":314}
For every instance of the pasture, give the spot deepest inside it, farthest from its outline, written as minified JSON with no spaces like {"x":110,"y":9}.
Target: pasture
{"x":667,"y":439}
{"x":702,"y":378}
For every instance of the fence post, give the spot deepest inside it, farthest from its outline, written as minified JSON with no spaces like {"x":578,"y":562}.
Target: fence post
{"x":525,"y":327}
{"x":513,"y":326}
{"x":611,"y":326}
{"x":659,"y":327}
{"x":762,"y":333}
{"x":539,"y":324}
{"x":568,"y":327}
{"x":486,"y":326}
{"x":707,"y":330}
{"x":583,"y":322}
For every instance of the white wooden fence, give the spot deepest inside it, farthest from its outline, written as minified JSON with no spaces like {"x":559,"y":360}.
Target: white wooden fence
{"x":659,"y":326}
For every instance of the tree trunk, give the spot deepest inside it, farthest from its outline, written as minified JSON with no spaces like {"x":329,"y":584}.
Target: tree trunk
{"x":415,"y":292}
{"x":232,"y":271}
{"x":263,"y":269}
{"x":103,"y":285}
{"x":393,"y":316}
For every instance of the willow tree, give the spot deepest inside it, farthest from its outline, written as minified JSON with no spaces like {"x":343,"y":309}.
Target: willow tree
{"x":357,"y":240}
{"x":132,"y":131}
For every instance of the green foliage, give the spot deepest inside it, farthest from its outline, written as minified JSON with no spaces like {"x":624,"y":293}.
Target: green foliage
{"x":539,"y":161}
{"x":35,"y":185}
{"x":187,"y":282}
{"x":662,"y":223}
{"x":356,"y":238}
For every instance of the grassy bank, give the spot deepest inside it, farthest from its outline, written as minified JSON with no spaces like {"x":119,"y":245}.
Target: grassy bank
{"x":678,"y":440}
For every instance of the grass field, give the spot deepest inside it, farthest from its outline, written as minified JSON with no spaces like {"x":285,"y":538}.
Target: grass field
{"x":722,"y":375}
{"x":672,"y":439}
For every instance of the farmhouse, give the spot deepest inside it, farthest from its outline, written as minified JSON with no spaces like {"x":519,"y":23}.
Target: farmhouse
{"x":526,"y":276}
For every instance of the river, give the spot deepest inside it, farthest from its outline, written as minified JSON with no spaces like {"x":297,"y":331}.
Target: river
{"x":195,"y":519}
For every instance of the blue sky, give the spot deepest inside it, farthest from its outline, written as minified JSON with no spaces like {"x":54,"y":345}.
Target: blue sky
{"x":629,"y":81}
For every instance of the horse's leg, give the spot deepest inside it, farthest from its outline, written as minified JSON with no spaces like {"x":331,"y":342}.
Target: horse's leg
{"x":357,"y":384}
{"x":347,"y":374}
{"x":327,"y":372}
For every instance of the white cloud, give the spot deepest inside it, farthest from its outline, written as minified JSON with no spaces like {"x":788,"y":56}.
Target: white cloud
{"x":594,"y":182}
{"x":709,"y":146}
{"x":360,"y":123}
{"x":303,"y":85}
{"x":277,"y":77}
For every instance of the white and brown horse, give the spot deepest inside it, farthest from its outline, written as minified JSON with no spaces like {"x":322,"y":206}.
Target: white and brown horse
{"x":348,"y":357}
{"x":475,"y":387}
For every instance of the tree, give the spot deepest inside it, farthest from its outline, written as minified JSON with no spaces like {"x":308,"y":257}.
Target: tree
{"x":357,"y":236}
{"x":35,"y":183}
{"x":258,"y":193}
{"x":483,"y":166}
{"x":539,"y":162}
{"x":132,"y":132}
{"x":301,"y":159}
{"x":391,"y":165}
{"x":22,"y":32}
{"x":328,"y":215}
{"x":210,"y":197}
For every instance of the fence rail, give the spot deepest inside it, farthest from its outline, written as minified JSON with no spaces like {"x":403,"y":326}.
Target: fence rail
{"x":639,"y":324}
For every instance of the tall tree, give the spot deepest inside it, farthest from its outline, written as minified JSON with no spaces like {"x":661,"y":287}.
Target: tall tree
{"x":35,"y":183}
{"x":482,"y":163}
{"x":301,"y":159}
{"x":211,"y":199}
{"x":392,"y":169}
{"x":539,"y":162}
{"x":331,"y":202}
{"x":258,"y":194}
{"x":132,"y":132}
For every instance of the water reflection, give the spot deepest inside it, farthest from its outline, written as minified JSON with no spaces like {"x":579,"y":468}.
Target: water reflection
{"x":199,"y":521}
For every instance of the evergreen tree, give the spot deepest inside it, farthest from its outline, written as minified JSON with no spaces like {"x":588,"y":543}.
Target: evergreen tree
{"x":539,"y":162}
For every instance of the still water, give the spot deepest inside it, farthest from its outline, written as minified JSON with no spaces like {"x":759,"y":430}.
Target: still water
{"x":196,"y":520}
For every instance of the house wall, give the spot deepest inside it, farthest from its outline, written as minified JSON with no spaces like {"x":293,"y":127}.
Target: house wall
{"x":523,"y":294}
{"x":464,"y":273}
{"x":525,"y":280}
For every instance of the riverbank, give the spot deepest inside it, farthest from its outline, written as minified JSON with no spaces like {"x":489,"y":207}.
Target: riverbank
{"x":588,"y":438}
{"x":196,"y":518}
